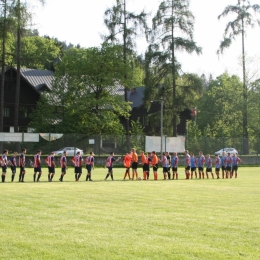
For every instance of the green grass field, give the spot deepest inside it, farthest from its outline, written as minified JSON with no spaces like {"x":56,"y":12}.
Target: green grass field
{"x":184,"y":219}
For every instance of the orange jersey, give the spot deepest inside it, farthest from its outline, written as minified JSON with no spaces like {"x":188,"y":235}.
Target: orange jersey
{"x":134,"y":157}
{"x":144,"y":159}
{"x":127,"y":161}
{"x":154,"y":160}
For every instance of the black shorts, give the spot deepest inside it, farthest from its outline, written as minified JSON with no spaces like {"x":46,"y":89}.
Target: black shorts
{"x":208,"y":169}
{"x":217,"y":169}
{"x":22,"y":169}
{"x":169,"y":169}
{"x":134,"y":165}
{"x":234,"y":168}
{"x":174,"y":169}
{"x":165,"y":169}
{"x":89,"y":167}
{"x":146,"y":167}
{"x":3,"y":168}
{"x":228,"y":168}
{"x":78,"y":170}
{"x":110,"y":169}
{"x":223,"y":168}
{"x":155,"y":168}
{"x":187,"y":168}
{"x":201,"y":169}
{"x":51,"y":169}
{"x":63,"y":170}
{"x":38,"y":169}
{"x":193,"y":169}
{"x":13,"y":169}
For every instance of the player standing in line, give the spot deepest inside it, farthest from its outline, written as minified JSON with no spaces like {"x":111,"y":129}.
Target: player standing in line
{"x":51,"y":166}
{"x":236,"y":161}
{"x":223,"y":164}
{"x":77,"y":161}
{"x":217,"y":165}
{"x":22,"y":165}
{"x":167,"y":154}
{"x":63,"y":165}
{"x":209,"y":166}
{"x":4,"y":162}
{"x":229,"y":161}
{"x":174,"y":164}
{"x":109,"y":164}
{"x":37,"y":166}
{"x":187,"y":164}
{"x":145,"y":163}
{"x":193,"y":164}
{"x":165,"y":165}
{"x":134,"y":164}
{"x":154,"y":164}
{"x":201,"y":162}
{"x":127,"y":163}
{"x":149,"y":159}
{"x":13,"y":164}
{"x":89,"y":165}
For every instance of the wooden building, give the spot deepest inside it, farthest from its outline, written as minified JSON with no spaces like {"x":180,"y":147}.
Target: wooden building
{"x":33,"y":82}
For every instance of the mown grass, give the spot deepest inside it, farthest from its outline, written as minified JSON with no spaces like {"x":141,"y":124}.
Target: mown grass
{"x":184,"y":219}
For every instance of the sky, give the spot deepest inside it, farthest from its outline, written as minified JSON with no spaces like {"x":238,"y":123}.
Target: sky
{"x":81,"y":22}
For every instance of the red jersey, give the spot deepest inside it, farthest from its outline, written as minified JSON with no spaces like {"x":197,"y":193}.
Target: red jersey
{"x":89,"y":160}
{"x":50,"y":161}
{"x":37,"y":159}
{"x":63,"y":161}
{"x":77,"y":160}
{"x":22,"y":160}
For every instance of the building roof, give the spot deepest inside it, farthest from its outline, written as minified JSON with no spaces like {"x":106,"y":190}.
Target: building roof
{"x":136,"y":96}
{"x":38,"y":78}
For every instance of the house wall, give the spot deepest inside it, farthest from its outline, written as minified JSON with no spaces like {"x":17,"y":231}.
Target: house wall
{"x":28,"y":100}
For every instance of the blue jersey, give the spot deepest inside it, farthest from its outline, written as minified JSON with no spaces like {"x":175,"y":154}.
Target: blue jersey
{"x":236,"y":161}
{"x":165,"y":161}
{"x":175,"y":161}
{"x":201,"y":161}
{"x":217,"y":162}
{"x":193,"y":162}
{"x":209,"y":163}
{"x":223,"y":161}
{"x":229,"y":161}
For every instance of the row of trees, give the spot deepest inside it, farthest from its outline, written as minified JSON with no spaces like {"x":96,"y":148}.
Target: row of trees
{"x":86,"y":79}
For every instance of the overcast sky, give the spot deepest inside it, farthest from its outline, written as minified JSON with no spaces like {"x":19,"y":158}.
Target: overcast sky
{"x":81,"y":22}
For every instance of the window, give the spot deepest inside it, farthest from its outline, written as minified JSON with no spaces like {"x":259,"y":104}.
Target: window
{"x":6,"y":112}
{"x":145,"y":120}
{"x":23,"y":112}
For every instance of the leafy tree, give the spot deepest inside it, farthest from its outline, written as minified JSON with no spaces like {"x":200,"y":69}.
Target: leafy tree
{"x":119,"y":21}
{"x":84,"y":98}
{"x":220,"y":109}
{"x":243,"y":19}
{"x":172,"y":30}
{"x":38,"y":52}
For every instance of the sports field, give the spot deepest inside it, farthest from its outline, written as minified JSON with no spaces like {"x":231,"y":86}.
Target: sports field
{"x":184,"y":219}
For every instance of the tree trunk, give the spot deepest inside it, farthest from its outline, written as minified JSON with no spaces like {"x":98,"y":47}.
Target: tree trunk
{"x":2,"y":92}
{"x":126,"y":89}
{"x":174,"y":110}
{"x":18,"y":76}
{"x":244,"y":112}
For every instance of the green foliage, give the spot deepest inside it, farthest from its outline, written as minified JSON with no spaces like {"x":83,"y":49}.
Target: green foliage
{"x":85,"y":96}
{"x":38,"y":52}
{"x":220,"y":108}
